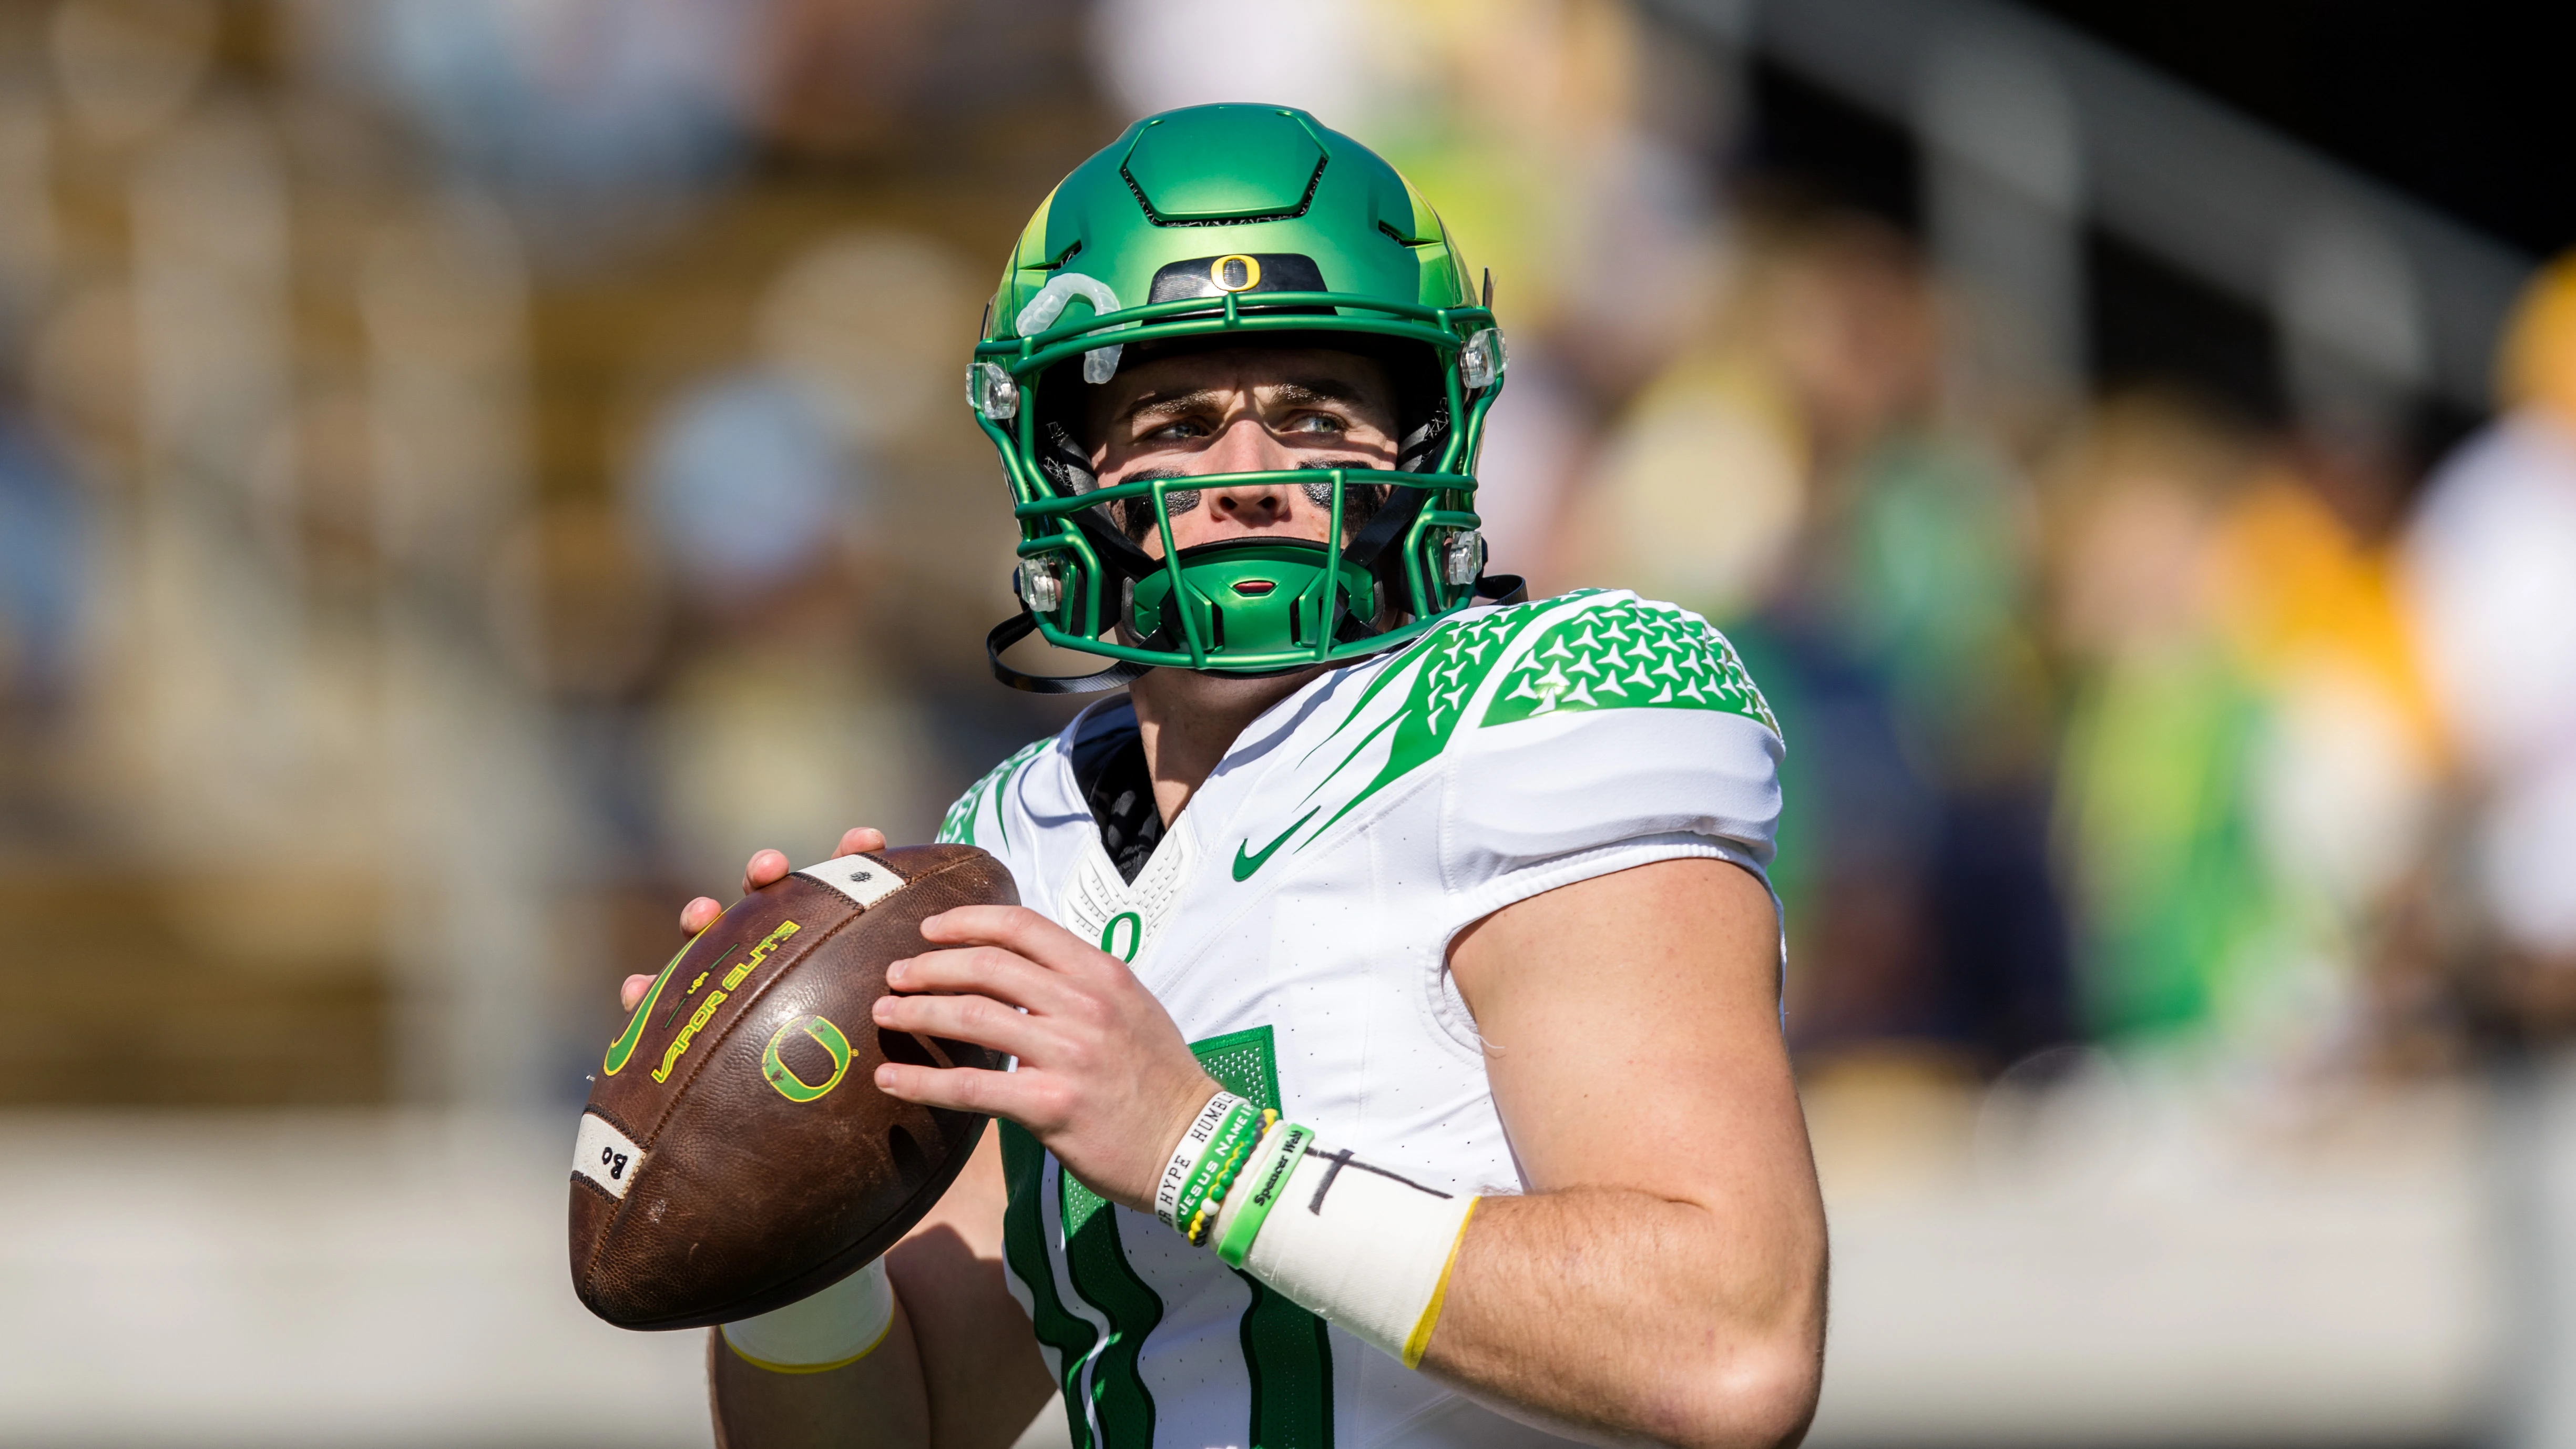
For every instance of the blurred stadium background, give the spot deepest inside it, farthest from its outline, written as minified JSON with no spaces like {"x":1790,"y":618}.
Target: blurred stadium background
{"x":470,"y":470}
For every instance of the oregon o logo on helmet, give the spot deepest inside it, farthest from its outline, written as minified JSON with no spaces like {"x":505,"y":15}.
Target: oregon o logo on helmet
{"x":1235,"y":273}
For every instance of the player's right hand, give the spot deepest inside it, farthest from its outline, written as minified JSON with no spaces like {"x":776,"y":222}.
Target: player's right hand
{"x":764,"y":867}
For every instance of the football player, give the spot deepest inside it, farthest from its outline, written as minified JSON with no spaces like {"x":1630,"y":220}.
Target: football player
{"x":1395,"y":997}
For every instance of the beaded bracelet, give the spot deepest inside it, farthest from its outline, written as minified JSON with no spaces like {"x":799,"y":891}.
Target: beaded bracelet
{"x":1205,"y":1218}
{"x":1225,"y":1129}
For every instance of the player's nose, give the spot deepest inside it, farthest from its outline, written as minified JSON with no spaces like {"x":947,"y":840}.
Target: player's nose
{"x":1248,"y":447}
{"x":1251,"y":507}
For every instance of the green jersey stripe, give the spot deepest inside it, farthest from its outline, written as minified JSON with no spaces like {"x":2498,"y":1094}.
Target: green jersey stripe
{"x":1284,"y":1347}
{"x":1291,"y":1361}
{"x":1024,"y":1246}
{"x":1097,"y":1264}
{"x":1287,"y":1354}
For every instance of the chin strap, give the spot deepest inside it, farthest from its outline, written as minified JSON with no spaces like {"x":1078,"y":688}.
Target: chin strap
{"x":1492,"y":589}
{"x":1020,"y":626}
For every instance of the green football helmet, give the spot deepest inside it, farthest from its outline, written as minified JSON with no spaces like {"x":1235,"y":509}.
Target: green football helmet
{"x":1251,"y":225}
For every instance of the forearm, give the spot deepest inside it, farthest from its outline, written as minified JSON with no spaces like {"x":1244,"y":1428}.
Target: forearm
{"x":1614,"y":1313}
{"x":1617,"y":1314}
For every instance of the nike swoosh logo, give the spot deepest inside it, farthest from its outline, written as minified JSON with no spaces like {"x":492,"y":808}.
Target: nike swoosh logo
{"x":620,"y":1050}
{"x":1245,"y":865}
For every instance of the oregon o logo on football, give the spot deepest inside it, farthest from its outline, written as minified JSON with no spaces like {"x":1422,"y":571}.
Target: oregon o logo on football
{"x":1224,"y":271}
{"x":825,"y":1035}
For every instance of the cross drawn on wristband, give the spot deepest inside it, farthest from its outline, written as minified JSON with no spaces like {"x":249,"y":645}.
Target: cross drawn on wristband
{"x":1343,"y":1159}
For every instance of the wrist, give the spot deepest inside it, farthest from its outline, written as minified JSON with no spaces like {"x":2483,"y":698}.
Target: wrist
{"x":826,"y":1330}
{"x":1205,"y":1161}
{"x":1261,"y":1185}
{"x":1352,"y":1243}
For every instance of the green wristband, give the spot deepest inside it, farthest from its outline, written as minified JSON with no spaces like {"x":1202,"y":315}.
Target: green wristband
{"x":1241,"y":1128}
{"x":1270,"y":1182}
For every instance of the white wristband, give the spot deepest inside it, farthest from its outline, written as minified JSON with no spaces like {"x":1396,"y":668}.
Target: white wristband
{"x":1351,"y":1243}
{"x":839,"y":1325}
{"x":1189,"y":1155}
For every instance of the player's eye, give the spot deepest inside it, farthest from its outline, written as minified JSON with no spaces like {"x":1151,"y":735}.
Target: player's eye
{"x":1180,"y":430}
{"x":1322,"y":424}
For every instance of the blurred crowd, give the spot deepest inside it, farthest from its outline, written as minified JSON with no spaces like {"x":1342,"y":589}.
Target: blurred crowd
{"x":470,"y":471}
{"x":2135,"y":720}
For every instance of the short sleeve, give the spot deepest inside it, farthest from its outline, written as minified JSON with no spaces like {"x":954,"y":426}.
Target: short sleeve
{"x":1622,"y":733}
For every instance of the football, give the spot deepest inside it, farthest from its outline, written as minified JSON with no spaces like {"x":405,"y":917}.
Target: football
{"x":735,"y":1154}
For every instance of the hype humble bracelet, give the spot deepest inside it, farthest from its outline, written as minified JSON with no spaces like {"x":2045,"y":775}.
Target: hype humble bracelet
{"x":1233,"y":1137}
{"x":1221,"y":1126}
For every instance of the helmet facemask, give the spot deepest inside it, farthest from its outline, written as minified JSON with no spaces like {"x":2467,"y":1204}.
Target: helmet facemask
{"x":1256,"y":604}
{"x":1316,"y":243}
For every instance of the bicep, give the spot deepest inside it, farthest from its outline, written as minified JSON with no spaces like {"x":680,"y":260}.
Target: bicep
{"x":1664,"y":1279}
{"x":1632,"y":1035}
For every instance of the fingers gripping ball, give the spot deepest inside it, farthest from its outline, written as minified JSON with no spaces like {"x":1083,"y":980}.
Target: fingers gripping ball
{"x":735,"y":1155}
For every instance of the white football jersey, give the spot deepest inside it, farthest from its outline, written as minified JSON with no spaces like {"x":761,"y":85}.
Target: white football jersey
{"x":1295,"y":921}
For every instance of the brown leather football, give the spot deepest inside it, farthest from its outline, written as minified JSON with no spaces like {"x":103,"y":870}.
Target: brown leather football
{"x":736,"y":1154}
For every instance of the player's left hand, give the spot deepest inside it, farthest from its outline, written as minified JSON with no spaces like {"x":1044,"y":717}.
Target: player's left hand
{"x":1105,"y":1080}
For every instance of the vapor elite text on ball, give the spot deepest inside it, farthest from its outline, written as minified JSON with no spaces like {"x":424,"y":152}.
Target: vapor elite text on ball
{"x":735,"y":1154}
